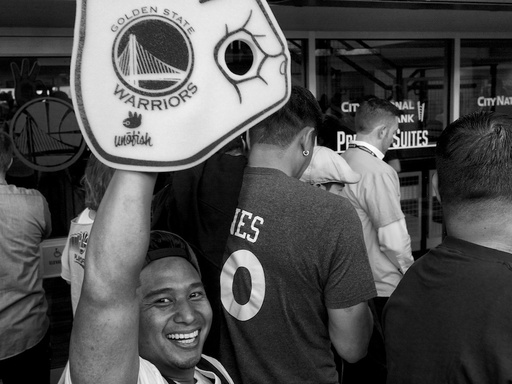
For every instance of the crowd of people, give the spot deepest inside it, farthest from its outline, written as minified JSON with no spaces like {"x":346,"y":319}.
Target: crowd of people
{"x":280,"y":261}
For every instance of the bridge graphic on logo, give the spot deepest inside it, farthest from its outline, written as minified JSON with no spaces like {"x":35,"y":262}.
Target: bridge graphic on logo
{"x":137,"y":64}
{"x":33,"y":142}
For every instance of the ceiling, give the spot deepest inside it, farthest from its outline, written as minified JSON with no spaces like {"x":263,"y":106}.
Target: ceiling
{"x":61,"y":13}
{"x":38,"y":13}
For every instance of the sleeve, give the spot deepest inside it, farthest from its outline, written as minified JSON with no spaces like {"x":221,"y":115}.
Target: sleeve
{"x":350,"y":279}
{"x":148,"y":374}
{"x":395,"y":242}
{"x":382,"y":199}
{"x":219,"y":367}
{"x":47,"y":229}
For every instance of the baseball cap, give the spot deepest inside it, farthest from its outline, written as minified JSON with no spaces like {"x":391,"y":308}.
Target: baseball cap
{"x":327,"y":166}
{"x":175,"y":247}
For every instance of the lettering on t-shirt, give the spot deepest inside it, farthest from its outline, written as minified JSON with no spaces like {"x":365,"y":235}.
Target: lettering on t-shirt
{"x":77,"y":245}
{"x":246,"y":225}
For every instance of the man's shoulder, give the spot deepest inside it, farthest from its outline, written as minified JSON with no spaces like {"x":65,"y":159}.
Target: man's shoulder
{"x":23,"y":192}
{"x":363,"y":162}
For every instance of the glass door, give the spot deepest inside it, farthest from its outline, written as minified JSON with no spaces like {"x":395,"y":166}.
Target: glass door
{"x":413,"y":74}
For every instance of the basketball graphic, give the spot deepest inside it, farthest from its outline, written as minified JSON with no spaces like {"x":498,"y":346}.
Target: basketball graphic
{"x":153,"y":56}
{"x":46,"y":134}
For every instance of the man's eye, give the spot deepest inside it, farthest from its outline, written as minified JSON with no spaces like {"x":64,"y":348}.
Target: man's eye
{"x":163,"y":301}
{"x":197,"y":295}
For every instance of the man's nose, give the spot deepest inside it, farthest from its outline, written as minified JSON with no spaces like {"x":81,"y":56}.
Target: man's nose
{"x":185,"y":313}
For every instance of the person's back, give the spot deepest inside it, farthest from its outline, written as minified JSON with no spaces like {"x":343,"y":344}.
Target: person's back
{"x":376,"y":199}
{"x":25,"y":222}
{"x":295,"y":254}
{"x":376,"y":196}
{"x":290,"y":256}
{"x":449,"y":319}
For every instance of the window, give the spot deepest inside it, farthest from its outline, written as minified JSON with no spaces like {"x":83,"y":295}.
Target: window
{"x":413,"y":74}
{"x":298,"y":52}
{"x":486,"y":76}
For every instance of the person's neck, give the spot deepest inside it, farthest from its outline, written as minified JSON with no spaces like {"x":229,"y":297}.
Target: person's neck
{"x":270,"y":156}
{"x":2,"y":179}
{"x":171,"y":381}
{"x":184,"y":378}
{"x":491,"y":232}
{"x":370,"y":139}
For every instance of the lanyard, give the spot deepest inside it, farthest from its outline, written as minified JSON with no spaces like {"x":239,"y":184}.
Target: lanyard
{"x":352,"y":145}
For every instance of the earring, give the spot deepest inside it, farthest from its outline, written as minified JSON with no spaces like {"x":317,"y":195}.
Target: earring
{"x":305,"y":153}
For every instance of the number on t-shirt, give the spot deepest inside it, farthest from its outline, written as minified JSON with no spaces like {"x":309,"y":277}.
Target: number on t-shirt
{"x":242,"y":259}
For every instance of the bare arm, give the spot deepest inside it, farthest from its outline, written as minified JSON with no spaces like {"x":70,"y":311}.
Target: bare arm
{"x":350,"y":330}
{"x":104,"y":340}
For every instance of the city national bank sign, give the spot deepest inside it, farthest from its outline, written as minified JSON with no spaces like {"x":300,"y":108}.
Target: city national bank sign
{"x":407,"y":136}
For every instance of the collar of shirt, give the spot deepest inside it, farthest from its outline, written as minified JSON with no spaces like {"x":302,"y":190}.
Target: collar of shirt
{"x":372,"y":148}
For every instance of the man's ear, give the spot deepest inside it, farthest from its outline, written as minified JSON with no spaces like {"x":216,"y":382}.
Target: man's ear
{"x":9,"y":166}
{"x":435,"y":185}
{"x":383,"y":131}
{"x":308,"y":137}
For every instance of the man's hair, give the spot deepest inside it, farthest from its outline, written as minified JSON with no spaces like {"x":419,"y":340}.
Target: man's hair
{"x":371,"y":111}
{"x":302,"y":110}
{"x":95,"y":181}
{"x":166,"y":244}
{"x":6,"y":150}
{"x":474,"y":160}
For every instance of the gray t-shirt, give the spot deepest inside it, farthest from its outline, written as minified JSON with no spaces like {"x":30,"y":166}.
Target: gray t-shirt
{"x":293,"y":251}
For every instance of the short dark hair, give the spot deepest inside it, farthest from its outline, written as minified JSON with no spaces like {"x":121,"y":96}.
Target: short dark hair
{"x":371,"y":109}
{"x":6,"y":151}
{"x":166,"y":244}
{"x":95,"y":181}
{"x":474,"y":160}
{"x":302,"y":110}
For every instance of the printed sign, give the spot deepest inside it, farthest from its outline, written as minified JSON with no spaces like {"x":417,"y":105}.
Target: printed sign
{"x":412,"y":113}
{"x":151,"y":85}
{"x":51,"y":254}
{"x":497,"y":101}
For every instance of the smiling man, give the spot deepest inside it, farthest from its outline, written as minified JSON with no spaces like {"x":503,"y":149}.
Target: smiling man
{"x":143,"y":315}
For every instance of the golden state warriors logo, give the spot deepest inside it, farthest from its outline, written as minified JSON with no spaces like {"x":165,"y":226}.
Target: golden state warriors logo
{"x":153,"y":56}
{"x":162,"y":85}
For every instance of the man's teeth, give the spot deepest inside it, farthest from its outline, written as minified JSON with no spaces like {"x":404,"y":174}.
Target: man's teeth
{"x":183,"y":337}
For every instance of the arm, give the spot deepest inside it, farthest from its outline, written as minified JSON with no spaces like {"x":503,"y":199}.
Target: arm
{"x":385,"y":212}
{"x":395,"y":164}
{"x":47,"y":230}
{"x":104,"y":339}
{"x":65,"y":273}
{"x":395,"y":242}
{"x":350,"y":330}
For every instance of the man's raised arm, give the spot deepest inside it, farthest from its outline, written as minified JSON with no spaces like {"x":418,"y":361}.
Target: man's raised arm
{"x":104,"y":340}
